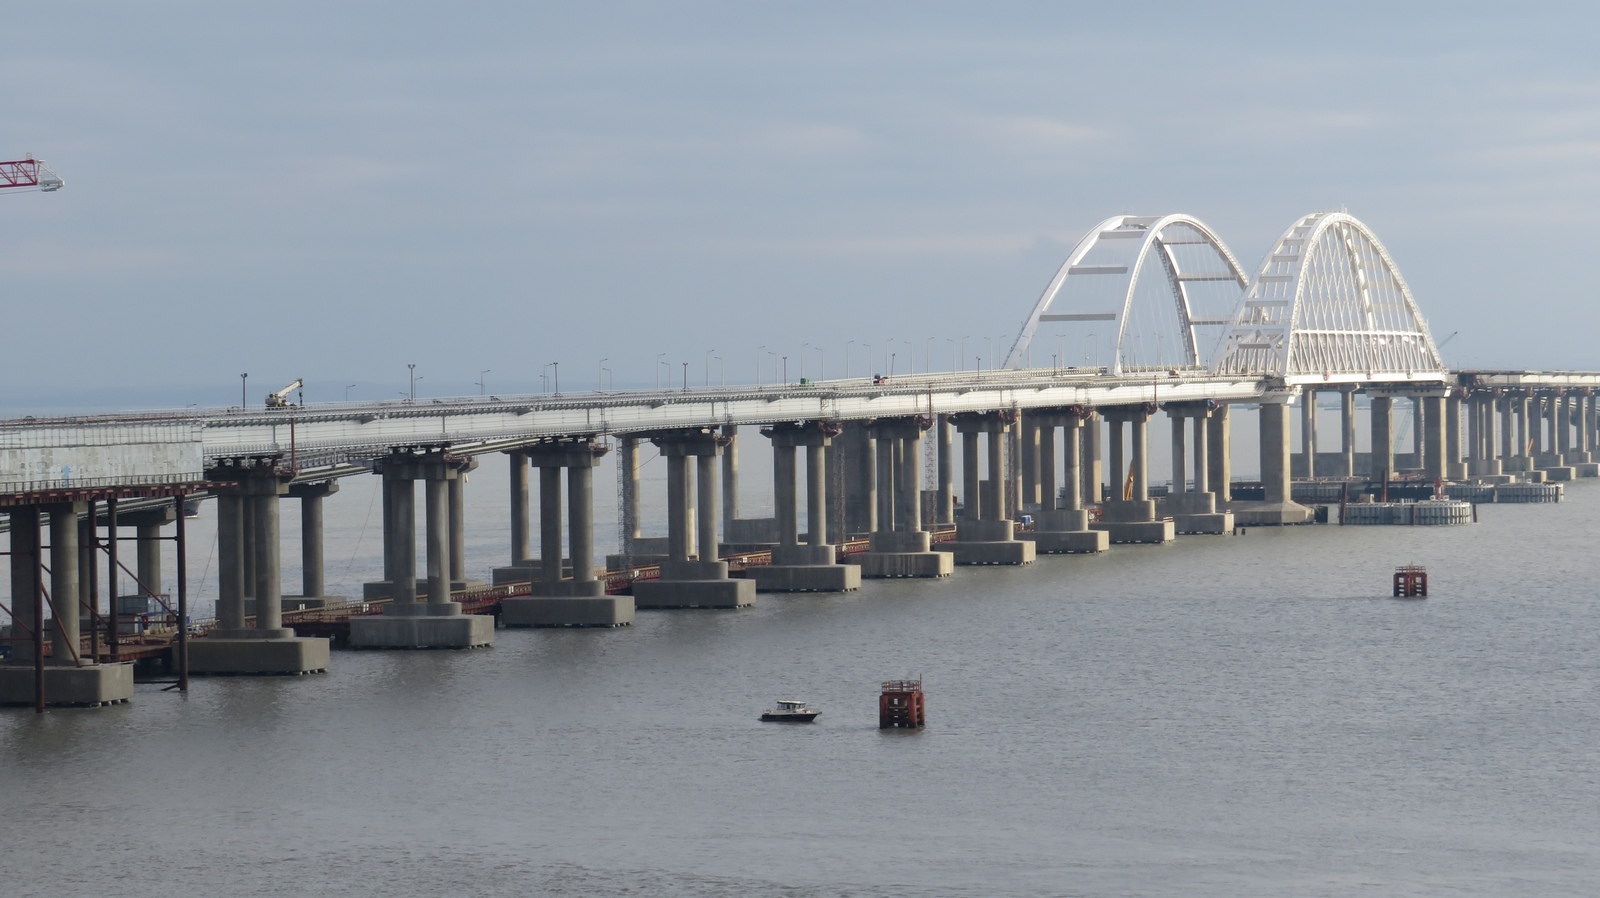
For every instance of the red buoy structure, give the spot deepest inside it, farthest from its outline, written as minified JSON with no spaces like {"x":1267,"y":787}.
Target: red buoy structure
{"x":901,"y":705}
{"x":1411,"y":582}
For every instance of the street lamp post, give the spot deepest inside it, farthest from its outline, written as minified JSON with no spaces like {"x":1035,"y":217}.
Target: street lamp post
{"x":347,"y":392}
{"x":803,"y":348}
{"x":412,"y":366}
{"x":822,"y":363}
{"x":847,"y":345}
{"x":785,"y":370}
{"x":244,"y":381}
{"x":952,"y":353}
{"x":964,"y":352}
{"x":708,"y":366}
{"x":659,"y":363}
{"x":686,"y":377}
{"x":599,"y":375}
{"x":759,"y":350}
{"x":481,"y":389}
{"x":722,"y":374}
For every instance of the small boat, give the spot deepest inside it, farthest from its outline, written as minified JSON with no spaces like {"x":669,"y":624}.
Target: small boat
{"x":790,"y":712}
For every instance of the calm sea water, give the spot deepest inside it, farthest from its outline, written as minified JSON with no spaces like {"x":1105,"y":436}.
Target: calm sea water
{"x":1221,"y":716}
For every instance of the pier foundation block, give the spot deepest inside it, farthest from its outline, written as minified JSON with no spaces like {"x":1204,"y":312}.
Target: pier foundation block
{"x":90,"y":686}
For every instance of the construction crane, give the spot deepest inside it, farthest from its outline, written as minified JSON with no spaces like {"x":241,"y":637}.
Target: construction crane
{"x":280,"y":399}
{"x":28,"y":173}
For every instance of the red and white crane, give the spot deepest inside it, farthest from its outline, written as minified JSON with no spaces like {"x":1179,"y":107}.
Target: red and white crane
{"x":28,"y":173}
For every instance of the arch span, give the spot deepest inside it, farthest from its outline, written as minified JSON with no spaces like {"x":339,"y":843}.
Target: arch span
{"x":1330,"y":303}
{"x":1107,"y":264}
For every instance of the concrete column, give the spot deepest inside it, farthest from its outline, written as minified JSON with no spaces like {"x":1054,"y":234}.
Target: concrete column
{"x":1139,"y":424}
{"x":148,"y":535}
{"x":1013,"y":466}
{"x":399,"y":536}
{"x":1585,"y":424}
{"x":88,"y":572}
{"x":1433,"y":437}
{"x":908,"y":516}
{"x":1452,"y":435}
{"x":678,"y":507}
{"x":1275,"y":451}
{"x":1030,"y":461}
{"x":885,"y":450}
{"x":520,"y":531}
{"x":1308,"y":430}
{"x":833,"y":460}
{"x":1119,"y":471}
{"x":64,"y":582}
{"x":1507,"y":426}
{"x":269,"y":585}
{"x":1527,"y":426}
{"x":1180,"y":452}
{"x":1202,"y":459}
{"x":817,"y":497}
{"x":628,"y":458}
{"x":1417,"y":428}
{"x":867,"y":469}
{"x":580,"y":521}
{"x":1382,"y":411}
{"x":944,"y":432}
{"x":783,"y":495}
{"x":707,"y":474}
{"x":730,"y":477}
{"x":550,"y":524}
{"x":1093,"y":476}
{"x":1220,"y":436}
{"x":436,"y":491}
{"x":971,"y":488}
{"x":1347,"y":431}
{"x":458,"y":525}
{"x":1048,"y":461}
{"x":311,"y":549}
{"x":230,"y":561}
{"x":24,"y":571}
{"x":1072,"y":464}
{"x":994,"y":504}
{"x":1474,"y":430}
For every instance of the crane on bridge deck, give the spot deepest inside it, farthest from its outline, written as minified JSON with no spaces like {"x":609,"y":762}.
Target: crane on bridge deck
{"x":26,"y":174}
{"x":280,"y":398}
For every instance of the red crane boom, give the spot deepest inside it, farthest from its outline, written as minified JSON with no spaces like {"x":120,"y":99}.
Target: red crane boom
{"x":29,"y":173}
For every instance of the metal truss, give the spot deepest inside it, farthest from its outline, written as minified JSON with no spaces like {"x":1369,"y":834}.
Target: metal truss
{"x":1329,"y":303}
{"x":1117,"y":250}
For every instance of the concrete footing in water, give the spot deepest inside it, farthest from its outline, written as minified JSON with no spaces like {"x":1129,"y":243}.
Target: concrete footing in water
{"x":225,"y":654}
{"x":694,"y":584}
{"x":420,"y":625}
{"x":90,"y":686}
{"x":904,"y":554}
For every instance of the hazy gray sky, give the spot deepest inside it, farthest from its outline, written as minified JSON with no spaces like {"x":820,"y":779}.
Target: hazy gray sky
{"x":336,"y":190}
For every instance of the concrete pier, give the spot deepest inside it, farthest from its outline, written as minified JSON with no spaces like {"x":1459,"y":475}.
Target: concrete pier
{"x":71,"y":678}
{"x":1130,"y":516}
{"x":567,"y":594}
{"x":1278,"y":508}
{"x":258,"y":644}
{"x":989,"y":537}
{"x":1062,"y":527}
{"x":812,"y":566}
{"x":1193,"y":508}
{"x":409,"y":620}
{"x":899,"y":545}
{"x":687,"y":582}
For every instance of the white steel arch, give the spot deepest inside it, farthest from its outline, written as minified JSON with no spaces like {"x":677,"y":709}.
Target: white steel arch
{"x":1159,"y":233}
{"x":1329,"y":304}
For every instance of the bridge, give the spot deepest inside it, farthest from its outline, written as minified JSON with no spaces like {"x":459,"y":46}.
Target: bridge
{"x":1052,"y":460}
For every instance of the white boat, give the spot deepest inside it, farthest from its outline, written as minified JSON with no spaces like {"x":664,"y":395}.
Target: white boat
{"x":789,"y":711}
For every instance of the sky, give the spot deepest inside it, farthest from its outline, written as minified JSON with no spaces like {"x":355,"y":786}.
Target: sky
{"x":337,"y":191}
